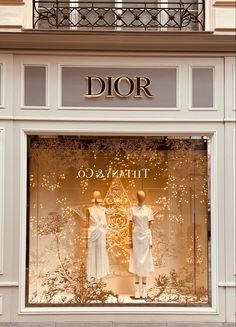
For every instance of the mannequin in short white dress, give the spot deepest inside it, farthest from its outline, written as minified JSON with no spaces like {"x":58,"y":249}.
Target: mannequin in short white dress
{"x":141,"y":261}
{"x":97,"y":258}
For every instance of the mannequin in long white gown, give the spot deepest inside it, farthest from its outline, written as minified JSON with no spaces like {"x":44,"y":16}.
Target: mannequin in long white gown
{"x":141,"y":261}
{"x":97,"y":258}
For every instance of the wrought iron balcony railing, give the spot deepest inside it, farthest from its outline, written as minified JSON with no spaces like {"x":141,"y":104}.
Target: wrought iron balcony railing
{"x":175,"y":15}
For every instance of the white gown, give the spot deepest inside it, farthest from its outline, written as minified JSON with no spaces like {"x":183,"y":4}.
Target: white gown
{"x":97,"y":258}
{"x":141,"y":261}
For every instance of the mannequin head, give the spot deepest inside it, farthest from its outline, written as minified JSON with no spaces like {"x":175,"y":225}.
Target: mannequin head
{"x":97,"y":198}
{"x":140,"y":197}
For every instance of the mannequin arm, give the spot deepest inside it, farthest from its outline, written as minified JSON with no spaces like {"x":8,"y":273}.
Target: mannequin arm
{"x":149,"y":226}
{"x":87,"y":227}
{"x":130,"y":233}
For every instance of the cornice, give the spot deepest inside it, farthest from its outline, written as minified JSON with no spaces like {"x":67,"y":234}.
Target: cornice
{"x":11,"y":2}
{"x":112,"y":119}
{"x":11,"y":26}
{"x":200,"y":42}
{"x":222,"y":29}
{"x":230,"y":4}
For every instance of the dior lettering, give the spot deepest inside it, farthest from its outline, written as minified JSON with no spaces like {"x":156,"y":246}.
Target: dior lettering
{"x":122,"y":87}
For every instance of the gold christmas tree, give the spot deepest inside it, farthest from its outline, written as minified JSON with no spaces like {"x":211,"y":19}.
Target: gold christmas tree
{"x":118,"y":203}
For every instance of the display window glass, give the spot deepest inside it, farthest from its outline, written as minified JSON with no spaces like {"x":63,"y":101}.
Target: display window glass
{"x":118,"y":220}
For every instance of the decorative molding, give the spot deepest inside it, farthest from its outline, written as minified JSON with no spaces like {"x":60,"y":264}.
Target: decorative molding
{"x":11,"y":26}
{"x":135,"y":54}
{"x":11,"y":2}
{"x":128,"y":120}
{"x":23,"y":217}
{"x":199,"y":42}
{"x":9,"y":284}
{"x":233,"y":198}
{"x":2,"y":184}
{"x":1,"y":304}
{"x":224,"y":29}
{"x":229,"y":4}
{"x":229,"y":88}
{"x":227,"y":284}
{"x":214,"y":178}
{"x":234,"y":86}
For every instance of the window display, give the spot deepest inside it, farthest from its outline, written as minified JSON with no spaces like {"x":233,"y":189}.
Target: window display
{"x":118,"y":220}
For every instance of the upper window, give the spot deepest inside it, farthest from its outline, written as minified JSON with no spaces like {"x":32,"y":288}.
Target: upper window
{"x":162,"y":15}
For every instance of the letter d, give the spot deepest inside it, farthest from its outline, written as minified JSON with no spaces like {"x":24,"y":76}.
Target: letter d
{"x":90,"y":89}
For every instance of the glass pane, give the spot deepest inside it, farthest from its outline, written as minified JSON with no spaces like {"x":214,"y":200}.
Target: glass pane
{"x":202,"y":88}
{"x":70,"y":86}
{"x":89,"y":231}
{"x":35,"y":86}
{"x":166,"y":79}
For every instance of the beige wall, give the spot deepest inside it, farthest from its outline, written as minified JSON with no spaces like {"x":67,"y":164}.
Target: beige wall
{"x":14,"y":119}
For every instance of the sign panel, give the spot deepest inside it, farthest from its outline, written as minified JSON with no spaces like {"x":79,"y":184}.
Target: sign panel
{"x":118,"y":87}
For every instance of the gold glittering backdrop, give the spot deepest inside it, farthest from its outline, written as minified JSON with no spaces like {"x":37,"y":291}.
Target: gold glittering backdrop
{"x":64,"y":171}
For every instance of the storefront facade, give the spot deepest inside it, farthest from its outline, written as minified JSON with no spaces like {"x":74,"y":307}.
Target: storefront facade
{"x":117,"y":112}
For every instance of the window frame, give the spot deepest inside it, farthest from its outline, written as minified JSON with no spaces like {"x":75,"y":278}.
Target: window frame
{"x":213,"y":309}
{"x":2,"y":196}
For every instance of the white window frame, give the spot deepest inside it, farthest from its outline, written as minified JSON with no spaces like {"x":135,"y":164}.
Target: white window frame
{"x":101,"y":130}
{"x":2,"y":197}
{"x":233,"y":198}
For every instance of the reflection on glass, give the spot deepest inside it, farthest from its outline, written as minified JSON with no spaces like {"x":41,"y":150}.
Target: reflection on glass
{"x":65,"y":172}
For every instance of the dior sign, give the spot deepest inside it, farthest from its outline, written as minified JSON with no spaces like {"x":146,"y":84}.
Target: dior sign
{"x":111,"y":88}
{"x":121,"y":86}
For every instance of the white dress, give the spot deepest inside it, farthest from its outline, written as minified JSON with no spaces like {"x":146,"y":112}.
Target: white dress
{"x":97,"y":258}
{"x":141,"y":261}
